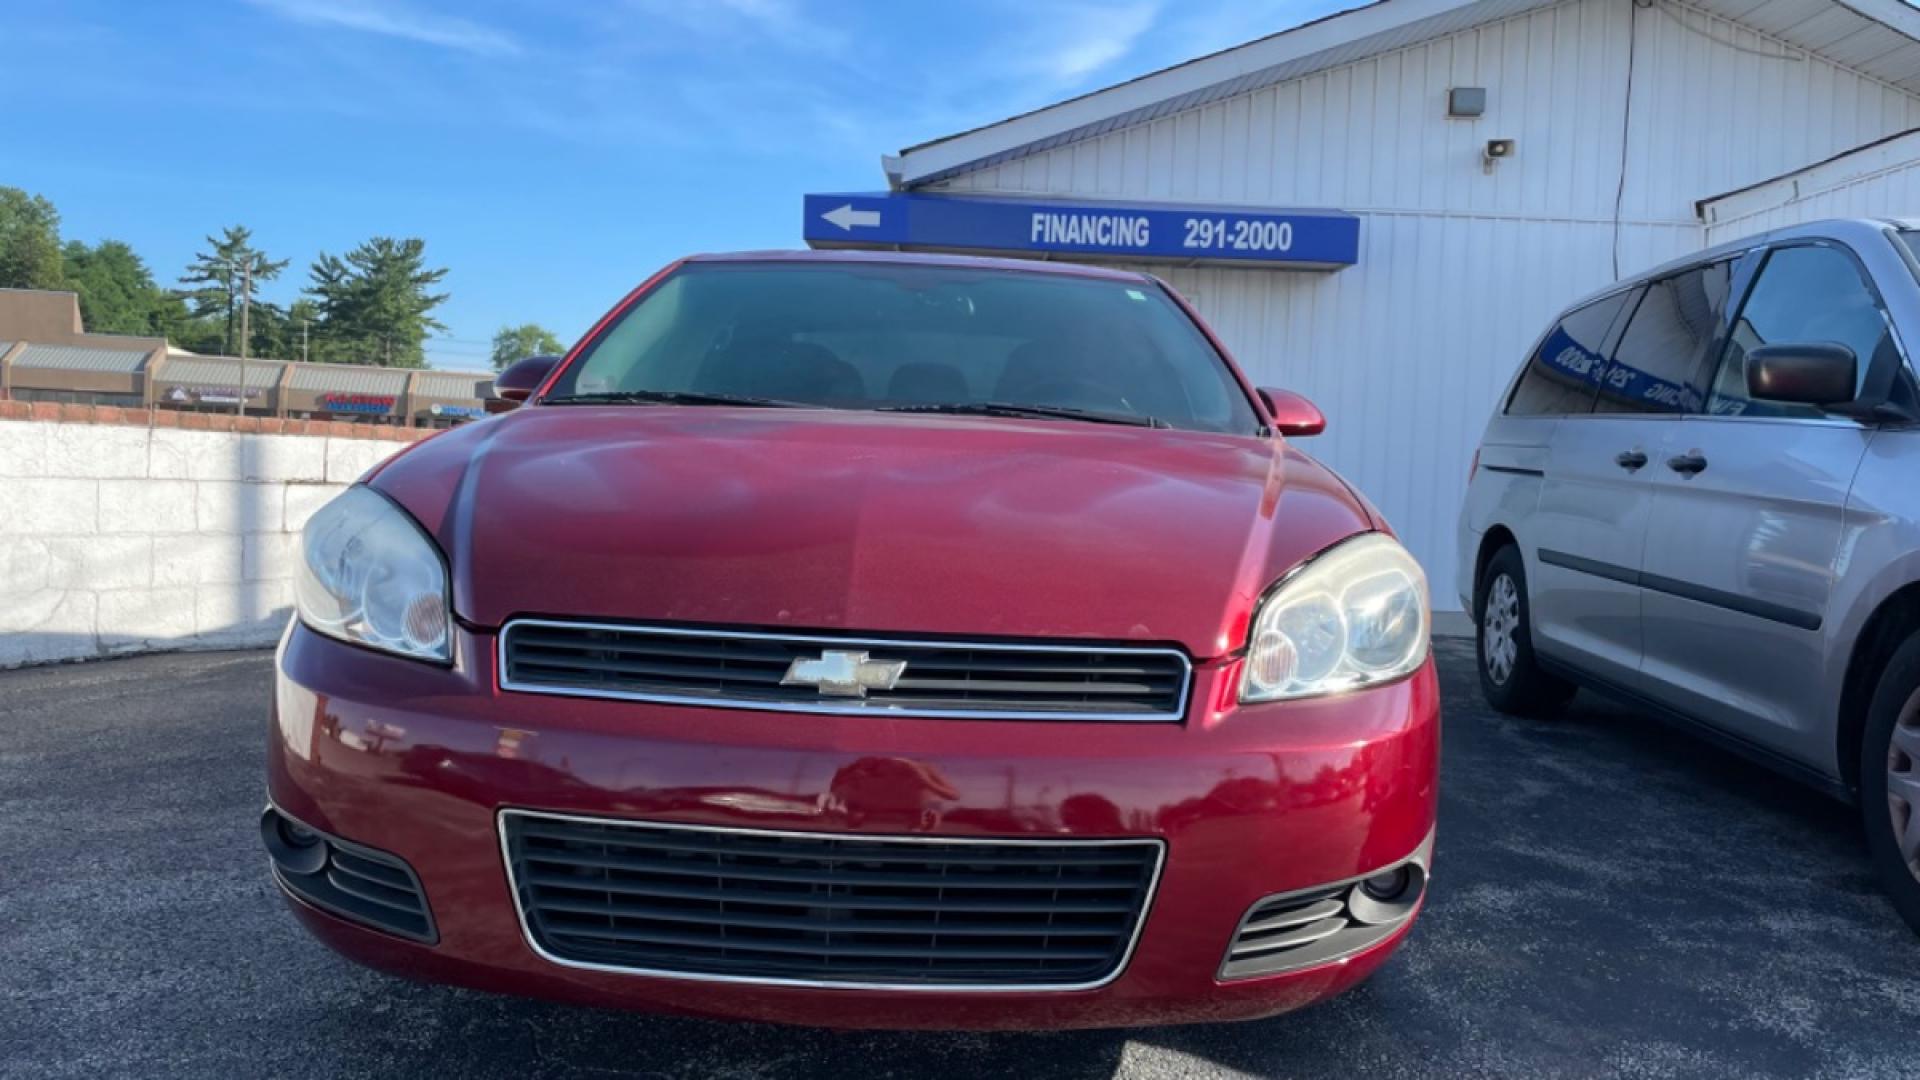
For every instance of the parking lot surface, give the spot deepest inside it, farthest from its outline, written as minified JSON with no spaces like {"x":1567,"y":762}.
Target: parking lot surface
{"x":1610,"y":898}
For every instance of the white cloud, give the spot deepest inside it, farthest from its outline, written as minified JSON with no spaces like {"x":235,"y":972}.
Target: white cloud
{"x":1033,"y":55}
{"x":771,"y":13}
{"x":779,"y":22}
{"x":1094,"y":36}
{"x":397,"y":21}
{"x":1041,"y":53}
{"x":778,"y":79}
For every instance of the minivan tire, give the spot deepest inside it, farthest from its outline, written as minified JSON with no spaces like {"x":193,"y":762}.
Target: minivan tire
{"x":1889,"y":754}
{"x":1511,"y":679}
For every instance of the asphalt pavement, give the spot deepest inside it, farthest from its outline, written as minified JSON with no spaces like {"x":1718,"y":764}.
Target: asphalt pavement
{"x":1609,"y":898}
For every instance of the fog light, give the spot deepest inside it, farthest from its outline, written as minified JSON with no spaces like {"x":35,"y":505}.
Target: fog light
{"x":1389,"y":886}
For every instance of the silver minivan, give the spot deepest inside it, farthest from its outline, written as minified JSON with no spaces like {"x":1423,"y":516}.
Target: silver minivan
{"x":1701,"y":493}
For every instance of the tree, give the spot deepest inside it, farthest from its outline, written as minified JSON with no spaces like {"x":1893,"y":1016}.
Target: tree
{"x":516,"y":343}
{"x":117,"y":293}
{"x":29,"y":241}
{"x":303,"y":315}
{"x":270,"y":334}
{"x":374,"y":305}
{"x":220,"y":275}
{"x":173,"y":321}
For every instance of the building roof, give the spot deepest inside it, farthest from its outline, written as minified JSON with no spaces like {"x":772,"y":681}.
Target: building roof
{"x":220,"y":371}
{"x":348,"y":379}
{"x":462,"y":385}
{"x":1880,"y":38}
{"x":82,"y":358}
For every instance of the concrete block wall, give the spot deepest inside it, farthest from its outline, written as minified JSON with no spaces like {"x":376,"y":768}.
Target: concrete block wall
{"x":118,"y":535}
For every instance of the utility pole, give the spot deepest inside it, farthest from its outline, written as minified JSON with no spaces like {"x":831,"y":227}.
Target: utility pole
{"x":303,"y":341}
{"x":246,"y":307}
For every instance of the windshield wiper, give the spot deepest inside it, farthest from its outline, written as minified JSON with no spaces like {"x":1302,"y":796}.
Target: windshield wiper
{"x":1042,"y":412}
{"x":675,"y":397}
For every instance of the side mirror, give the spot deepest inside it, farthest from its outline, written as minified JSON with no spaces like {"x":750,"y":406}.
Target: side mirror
{"x":1292,"y":414}
{"x":1807,"y":373}
{"x":519,"y":381}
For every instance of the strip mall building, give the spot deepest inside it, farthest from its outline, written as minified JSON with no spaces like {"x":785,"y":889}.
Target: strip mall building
{"x":47,"y":355}
{"x":1383,"y":209}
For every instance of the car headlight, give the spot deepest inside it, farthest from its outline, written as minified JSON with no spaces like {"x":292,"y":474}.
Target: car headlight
{"x":1354,"y":616}
{"x":369,"y":575}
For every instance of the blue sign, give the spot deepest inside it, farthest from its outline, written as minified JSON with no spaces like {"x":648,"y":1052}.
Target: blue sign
{"x":1302,"y":239}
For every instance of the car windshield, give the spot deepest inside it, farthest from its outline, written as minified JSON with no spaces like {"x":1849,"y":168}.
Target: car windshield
{"x":912,"y":338}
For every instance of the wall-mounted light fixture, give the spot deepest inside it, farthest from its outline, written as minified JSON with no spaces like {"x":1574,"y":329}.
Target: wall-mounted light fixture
{"x":1467,"y":102}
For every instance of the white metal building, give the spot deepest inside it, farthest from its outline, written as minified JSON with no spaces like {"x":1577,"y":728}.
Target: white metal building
{"x":1639,"y":130}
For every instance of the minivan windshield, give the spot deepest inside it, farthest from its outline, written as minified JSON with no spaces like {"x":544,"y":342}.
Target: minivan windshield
{"x":912,"y":338}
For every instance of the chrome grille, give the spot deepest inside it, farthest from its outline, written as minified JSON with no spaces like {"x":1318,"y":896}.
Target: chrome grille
{"x":827,"y":909}
{"x":744,"y":669}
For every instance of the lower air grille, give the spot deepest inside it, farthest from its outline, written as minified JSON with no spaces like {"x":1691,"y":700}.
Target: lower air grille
{"x":1313,"y":926}
{"x":746,"y":669}
{"x":828,"y":910}
{"x":354,"y":882}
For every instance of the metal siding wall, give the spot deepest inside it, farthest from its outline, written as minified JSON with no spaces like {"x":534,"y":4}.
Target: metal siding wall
{"x":1892,"y":193}
{"x":1460,"y":270}
{"x":1748,"y":117}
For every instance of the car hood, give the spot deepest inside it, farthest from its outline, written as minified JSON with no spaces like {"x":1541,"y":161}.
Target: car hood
{"x":868,"y":522}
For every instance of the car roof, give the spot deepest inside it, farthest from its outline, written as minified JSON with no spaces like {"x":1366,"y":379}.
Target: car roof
{"x":923,"y":258}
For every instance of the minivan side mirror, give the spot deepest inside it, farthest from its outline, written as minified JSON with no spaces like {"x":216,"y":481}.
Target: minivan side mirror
{"x":1804,"y":373}
{"x":1291,"y":413}
{"x":519,"y":381}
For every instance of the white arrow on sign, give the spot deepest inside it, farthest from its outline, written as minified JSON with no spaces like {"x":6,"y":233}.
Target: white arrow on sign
{"x":847,"y":217}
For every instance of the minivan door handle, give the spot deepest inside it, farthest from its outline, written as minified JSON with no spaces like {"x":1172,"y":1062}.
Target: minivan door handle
{"x":1689,"y":464}
{"x":1630,"y":460}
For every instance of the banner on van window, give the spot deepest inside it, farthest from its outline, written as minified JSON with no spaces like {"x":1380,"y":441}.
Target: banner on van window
{"x":1618,"y":382}
{"x":1290,"y":239}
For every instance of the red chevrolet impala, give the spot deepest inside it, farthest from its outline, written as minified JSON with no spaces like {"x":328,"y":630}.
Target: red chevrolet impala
{"x":865,"y":640}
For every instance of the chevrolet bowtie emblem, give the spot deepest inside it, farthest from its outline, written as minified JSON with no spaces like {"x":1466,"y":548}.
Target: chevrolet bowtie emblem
{"x":840,"y":673}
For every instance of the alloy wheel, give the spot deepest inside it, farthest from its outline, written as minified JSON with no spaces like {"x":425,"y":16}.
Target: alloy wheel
{"x":1903,"y":783}
{"x":1500,"y":622}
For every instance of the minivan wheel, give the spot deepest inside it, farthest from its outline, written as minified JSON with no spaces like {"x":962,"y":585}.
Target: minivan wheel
{"x":1510,"y":679}
{"x":1890,"y":780}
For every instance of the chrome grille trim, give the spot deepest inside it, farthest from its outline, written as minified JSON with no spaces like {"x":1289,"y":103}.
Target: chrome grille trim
{"x":849,"y":706}
{"x":1148,"y":894}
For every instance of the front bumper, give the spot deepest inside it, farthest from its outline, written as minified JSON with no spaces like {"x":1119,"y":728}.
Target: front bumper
{"x":1250,"y":802}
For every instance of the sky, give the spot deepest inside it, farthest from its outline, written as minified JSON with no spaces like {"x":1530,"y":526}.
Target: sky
{"x":551,"y":155}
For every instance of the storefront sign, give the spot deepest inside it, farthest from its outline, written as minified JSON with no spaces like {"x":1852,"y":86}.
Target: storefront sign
{"x":211,"y":395}
{"x":1296,"y":239}
{"x":466,"y":412}
{"x":358,"y":403}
